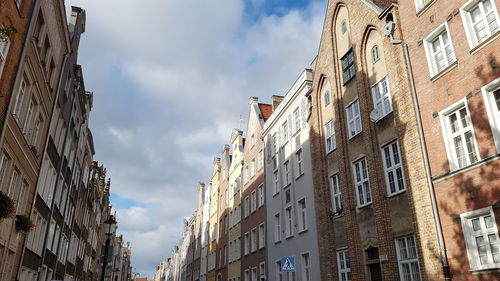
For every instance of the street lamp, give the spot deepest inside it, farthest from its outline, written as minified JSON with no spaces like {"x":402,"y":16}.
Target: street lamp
{"x":109,"y":231}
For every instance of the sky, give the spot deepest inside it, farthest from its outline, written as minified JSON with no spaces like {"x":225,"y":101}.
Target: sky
{"x":171,"y":79}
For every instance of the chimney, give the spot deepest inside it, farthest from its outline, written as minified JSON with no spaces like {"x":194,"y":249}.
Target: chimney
{"x":276,"y":100}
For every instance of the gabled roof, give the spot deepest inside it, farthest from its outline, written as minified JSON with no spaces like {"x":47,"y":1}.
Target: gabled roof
{"x":266,"y":110}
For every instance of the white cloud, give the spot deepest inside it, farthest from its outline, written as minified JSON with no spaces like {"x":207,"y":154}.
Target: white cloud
{"x":171,"y":79}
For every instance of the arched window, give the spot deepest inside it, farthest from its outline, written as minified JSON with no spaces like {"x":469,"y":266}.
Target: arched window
{"x":375,"y":54}
{"x":344,"y":27}
{"x":327,"y":98}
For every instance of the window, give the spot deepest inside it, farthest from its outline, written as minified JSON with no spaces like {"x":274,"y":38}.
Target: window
{"x":481,"y":20}
{"x":306,"y":267}
{"x":252,"y":140}
{"x":330,"y":141}
{"x":279,"y":275}
{"x":327,"y":98}
{"x":252,"y":168}
{"x":459,"y":136}
{"x":253,"y":242}
{"x":481,"y":238}
{"x":344,"y":27}
{"x":261,"y":195}
{"x":300,"y":162}
{"x":382,"y":97}
{"x":20,"y":98}
{"x":262,"y":236}
{"x":4,"y":165}
{"x":420,"y":4}
{"x":276,"y":182}
{"x":296,"y":120}
{"x":246,"y":174}
{"x":254,"y":274}
{"x":253,"y":201}
{"x":261,"y":159}
{"x":4,"y":49}
{"x":375,"y":54}
{"x":284,"y":130}
{"x":343,"y":265}
{"x":439,"y":49}
{"x":362,"y":183}
{"x":247,"y":206}
{"x":348,"y":68}
{"x":491,"y":96}
{"x":335,"y":193}
{"x":262,"y":271}
{"x":302,"y":215}
{"x":246,"y":275}
{"x":289,"y":222}
{"x":408,"y":258}
{"x":393,"y":168}
{"x":277,"y":228}
{"x":287,"y":177}
{"x":354,"y":118}
{"x":247,"y":243}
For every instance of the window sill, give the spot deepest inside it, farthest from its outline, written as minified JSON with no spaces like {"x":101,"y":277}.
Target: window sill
{"x":289,"y":237}
{"x":303,"y":231}
{"x":494,"y":268}
{"x":424,"y":8}
{"x":356,"y":134}
{"x":348,"y":80}
{"x":452,"y":173}
{"x":363,"y":206}
{"x":299,"y":176}
{"x":396,"y":193}
{"x":338,"y":216}
{"x":277,"y":242}
{"x":274,"y":195}
{"x":384,"y":116}
{"x":331,"y":151}
{"x":484,"y":43}
{"x":444,"y":71}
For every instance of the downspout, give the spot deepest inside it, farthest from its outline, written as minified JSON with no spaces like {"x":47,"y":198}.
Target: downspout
{"x":423,"y":147}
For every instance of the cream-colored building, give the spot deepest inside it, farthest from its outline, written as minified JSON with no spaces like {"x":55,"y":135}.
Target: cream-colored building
{"x":213,"y":219}
{"x":235,"y":184}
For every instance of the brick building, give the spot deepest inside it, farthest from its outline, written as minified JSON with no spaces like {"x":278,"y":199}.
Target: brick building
{"x":374,"y":208}
{"x":253,"y":217}
{"x":222,"y":244}
{"x":31,"y":92}
{"x":455,"y":55}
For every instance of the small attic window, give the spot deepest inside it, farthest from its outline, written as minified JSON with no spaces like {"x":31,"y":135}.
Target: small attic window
{"x":344,"y":27}
{"x":375,"y":54}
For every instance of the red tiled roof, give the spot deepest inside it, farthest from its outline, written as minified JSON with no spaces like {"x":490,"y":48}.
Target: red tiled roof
{"x":141,"y":279}
{"x":266,"y":110}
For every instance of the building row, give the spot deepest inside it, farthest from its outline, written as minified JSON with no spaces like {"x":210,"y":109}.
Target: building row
{"x":54,"y":196}
{"x":380,"y":163}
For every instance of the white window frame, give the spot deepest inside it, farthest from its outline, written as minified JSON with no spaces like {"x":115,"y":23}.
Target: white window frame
{"x":289,"y":222}
{"x":246,"y":246}
{"x":253,"y":201}
{"x":262,"y":235}
{"x":343,"y":265}
{"x":437,"y":35}
{"x":246,"y":209}
{"x":330,"y":141}
{"x":285,"y":134}
{"x":405,"y":260}
{"x":492,"y":110}
{"x":447,"y":135}
{"x":4,"y":51}
{"x":334,"y":181}
{"x":468,"y":232}
{"x":303,"y":221}
{"x":356,"y":118}
{"x":279,"y":275}
{"x":252,"y":168}
{"x":299,"y":158}
{"x":253,"y":240}
{"x":262,"y":271}
{"x":276,"y":182}
{"x":467,"y":21}
{"x":393,"y":168}
{"x":261,"y":159}
{"x":306,"y":266}
{"x":326,"y":97}
{"x":287,"y":175}
{"x":277,"y":227}
{"x":383,"y":97}
{"x":419,"y":4}
{"x":363,"y":182}
{"x":261,"y":194}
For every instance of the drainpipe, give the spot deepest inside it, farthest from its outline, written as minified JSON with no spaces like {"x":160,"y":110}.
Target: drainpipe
{"x":423,"y":147}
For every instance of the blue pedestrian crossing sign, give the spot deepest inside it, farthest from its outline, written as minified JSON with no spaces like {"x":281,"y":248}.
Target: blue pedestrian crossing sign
{"x":288,"y":264}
